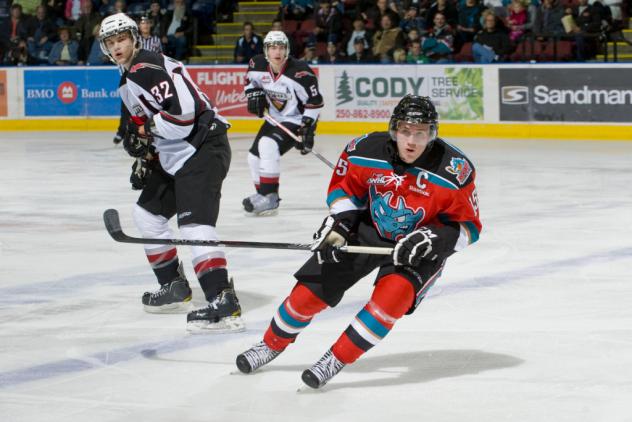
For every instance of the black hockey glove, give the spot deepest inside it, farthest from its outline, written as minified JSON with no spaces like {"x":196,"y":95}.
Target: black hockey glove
{"x":425,"y":243}
{"x":135,"y":144}
{"x":257,"y":102}
{"x":332,"y":234}
{"x":141,"y":171}
{"x":306,"y":132}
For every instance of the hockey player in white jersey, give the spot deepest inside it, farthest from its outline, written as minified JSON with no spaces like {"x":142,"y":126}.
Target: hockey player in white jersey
{"x":288,"y":88}
{"x":183,"y":155}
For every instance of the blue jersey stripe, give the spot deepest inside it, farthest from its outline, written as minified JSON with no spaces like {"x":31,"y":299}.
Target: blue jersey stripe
{"x":474,"y":233}
{"x":372,"y":324}
{"x":370,"y":162}
{"x":290,"y":320}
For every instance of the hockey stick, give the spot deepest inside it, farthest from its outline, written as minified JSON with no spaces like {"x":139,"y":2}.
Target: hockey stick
{"x":113,"y":226}
{"x":280,"y":125}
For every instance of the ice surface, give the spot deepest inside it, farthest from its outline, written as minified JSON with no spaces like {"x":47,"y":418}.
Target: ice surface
{"x":533,"y":323}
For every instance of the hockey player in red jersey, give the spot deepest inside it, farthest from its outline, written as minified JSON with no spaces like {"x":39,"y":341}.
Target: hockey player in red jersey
{"x":183,"y":155}
{"x":405,"y":188}
{"x":288,"y":88}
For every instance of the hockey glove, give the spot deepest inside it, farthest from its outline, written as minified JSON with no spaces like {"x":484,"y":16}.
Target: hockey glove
{"x":135,"y":144}
{"x":140,"y":173}
{"x":425,"y":243}
{"x":330,"y":236}
{"x":306,"y":132}
{"x":257,"y":102}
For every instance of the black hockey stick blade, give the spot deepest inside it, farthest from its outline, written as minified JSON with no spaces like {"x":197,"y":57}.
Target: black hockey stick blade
{"x":113,"y":226}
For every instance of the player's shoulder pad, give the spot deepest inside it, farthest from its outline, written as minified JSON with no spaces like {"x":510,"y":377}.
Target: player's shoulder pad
{"x":453,"y":163}
{"x":370,"y":145}
{"x":258,"y":63}
{"x":146,"y":67}
{"x":300,"y":72}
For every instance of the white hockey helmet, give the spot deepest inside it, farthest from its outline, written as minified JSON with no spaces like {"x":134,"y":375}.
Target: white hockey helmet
{"x":115,"y":24}
{"x":276,"y":38}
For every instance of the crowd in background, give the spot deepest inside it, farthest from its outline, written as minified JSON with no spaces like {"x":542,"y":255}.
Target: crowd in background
{"x":64,"y":32}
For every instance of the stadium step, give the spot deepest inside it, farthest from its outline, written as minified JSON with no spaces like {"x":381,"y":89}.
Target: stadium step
{"x":258,"y":6}
{"x":254,"y":16}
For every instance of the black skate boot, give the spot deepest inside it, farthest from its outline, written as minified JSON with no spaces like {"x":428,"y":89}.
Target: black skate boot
{"x":223,"y":314}
{"x":322,"y":371}
{"x":262,"y":204}
{"x":255,"y":357}
{"x":172,"y":298}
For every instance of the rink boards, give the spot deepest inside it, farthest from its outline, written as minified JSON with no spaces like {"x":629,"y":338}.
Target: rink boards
{"x":587,"y":101}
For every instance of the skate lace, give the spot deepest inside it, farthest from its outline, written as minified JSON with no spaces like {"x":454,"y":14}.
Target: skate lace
{"x":260,"y":354}
{"x":160,"y":292}
{"x":327,"y":367}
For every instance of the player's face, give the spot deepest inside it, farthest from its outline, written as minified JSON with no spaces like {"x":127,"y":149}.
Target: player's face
{"x":121,"y":47}
{"x":412,"y":140}
{"x":276,"y":54}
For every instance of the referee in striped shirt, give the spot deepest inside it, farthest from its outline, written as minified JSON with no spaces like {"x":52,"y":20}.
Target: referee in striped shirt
{"x":148,"y":41}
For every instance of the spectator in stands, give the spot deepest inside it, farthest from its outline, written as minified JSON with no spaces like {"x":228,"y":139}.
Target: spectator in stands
{"x":309,"y":54}
{"x":438,"y":45}
{"x":386,"y":40}
{"x":447,"y":9}
{"x":585,"y":27}
{"x":516,"y":20}
{"x":106,"y":8}
{"x":248,"y":45}
{"x":412,"y":36}
{"x":359,"y":31}
{"x":95,"y":55}
{"x":328,"y":22}
{"x":548,"y":20}
{"x":120,"y":6}
{"x":84,"y":28}
{"x":177,"y":27}
{"x":399,"y":56}
{"x":361,"y":53}
{"x":43,"y":32}
{"x":73,"y":10}
{"x":297,"y":9}
{"x":18,"y":54}
{"x":415,"y":55}
{"x":17,"y":28}
{"x":157,"y":16}
{"x":148,"y":41}
{"x":332,"y":56}
{"x":374,"y":14}
{"x":492,"y":43}
{"x":469,"y":21}
{"x":55,"y":10}
{"x":29,"y":7}
{"x":64,"y":51}
{"x":412,"y":20}
{"x":277,"y":25}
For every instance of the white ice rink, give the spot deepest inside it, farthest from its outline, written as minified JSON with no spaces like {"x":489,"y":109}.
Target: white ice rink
{"x":532,"y":323}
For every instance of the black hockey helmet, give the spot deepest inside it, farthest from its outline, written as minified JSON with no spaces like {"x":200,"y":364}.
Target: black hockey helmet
{"x":414,"y":109}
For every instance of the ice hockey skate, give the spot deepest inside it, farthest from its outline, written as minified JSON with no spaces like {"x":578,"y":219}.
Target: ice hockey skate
{"x":172,"y":298}
{"x":262,"y":205}
{"x":255,"y":357}
{"x":322,"y":371}
{"x":222,"y":315}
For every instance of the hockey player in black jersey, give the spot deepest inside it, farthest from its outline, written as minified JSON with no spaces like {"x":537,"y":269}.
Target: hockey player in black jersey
{"x":288,"y":89}
{"x":182,"y":157}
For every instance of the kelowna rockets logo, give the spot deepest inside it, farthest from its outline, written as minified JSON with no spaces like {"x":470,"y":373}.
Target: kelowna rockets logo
{"x":393,"y":221}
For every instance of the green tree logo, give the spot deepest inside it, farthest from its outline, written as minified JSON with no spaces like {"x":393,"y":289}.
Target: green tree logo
{"x":343,"y":92}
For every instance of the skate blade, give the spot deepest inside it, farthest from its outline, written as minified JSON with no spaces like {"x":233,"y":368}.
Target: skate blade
{"x":225,"y":325}
{"x":172,"y":308}
{"x":267,"y":213}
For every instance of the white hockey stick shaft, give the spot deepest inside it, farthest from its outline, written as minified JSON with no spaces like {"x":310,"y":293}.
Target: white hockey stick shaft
{"x":280,"y":125}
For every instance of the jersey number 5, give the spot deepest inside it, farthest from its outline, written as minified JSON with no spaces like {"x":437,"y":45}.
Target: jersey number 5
{"x":341,"y":168}
{"x":161,"y":91}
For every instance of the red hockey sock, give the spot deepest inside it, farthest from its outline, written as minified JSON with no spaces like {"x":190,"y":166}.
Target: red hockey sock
{"x":294,"y":314}
{"x":392,"y":297}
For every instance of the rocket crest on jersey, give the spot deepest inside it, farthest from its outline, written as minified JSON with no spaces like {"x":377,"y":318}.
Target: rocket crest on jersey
{"x":393,"y":218}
